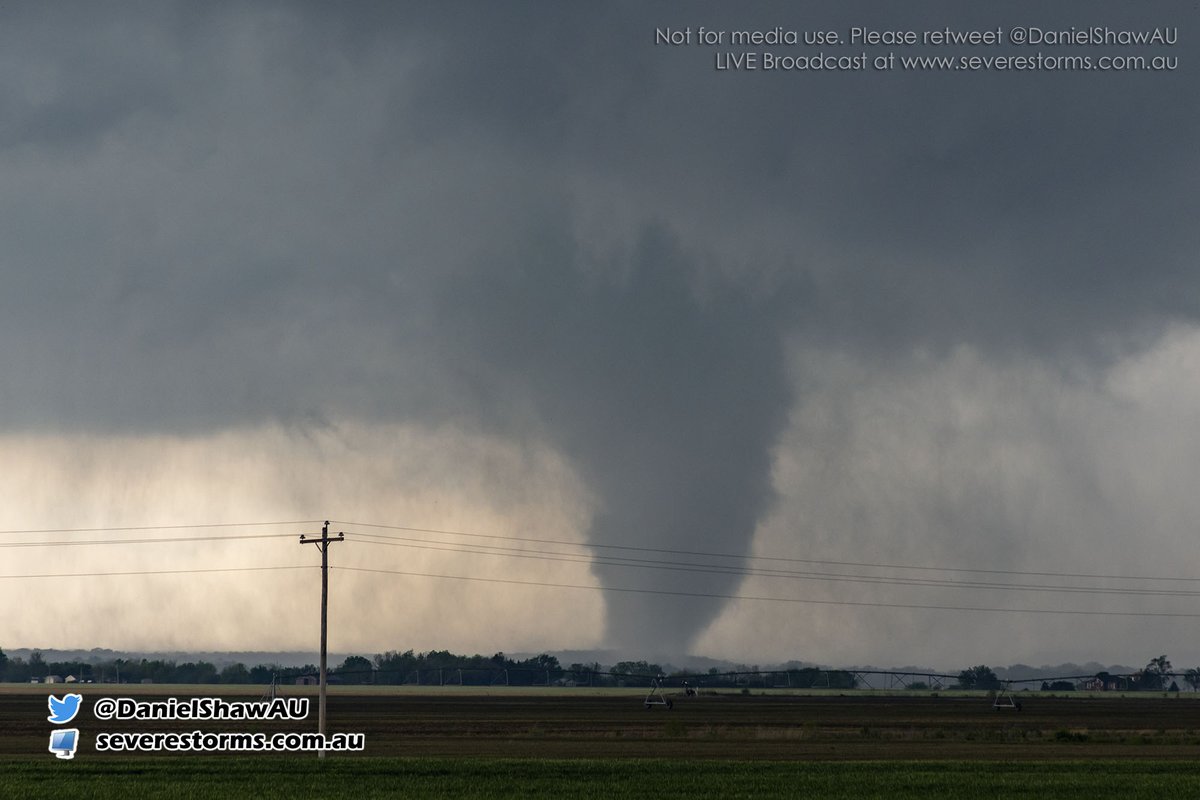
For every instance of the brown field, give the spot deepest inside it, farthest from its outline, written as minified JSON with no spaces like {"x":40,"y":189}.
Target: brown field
{"x":585,"y":723}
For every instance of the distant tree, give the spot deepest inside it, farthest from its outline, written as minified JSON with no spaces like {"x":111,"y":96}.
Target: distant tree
{"x":395,"y":667}
{"x":37,"y":665}
{"x":637,"y":668}
{"x":1192,"y":678}
{"x":440,"y":659}
{"x":840,"y":679}
{"x":3,"y":666}
{"x":635,"y":673}
{"x":917,"y":686}
{"x":198,"y":672}
{"x":808,"y":677}
{"x":235,"y":673}
{"x":355,"y":669}
{"x":1062,"y":686}
{"x":262,"y":673}
{"x":584,"y":673}
{"x":1154,"y":676}
{"x":18,"y":671}
{"x":158,"y":671}
{"x":64,"y":668}
{"x":980,"y":677}
{"x":547,"y":662}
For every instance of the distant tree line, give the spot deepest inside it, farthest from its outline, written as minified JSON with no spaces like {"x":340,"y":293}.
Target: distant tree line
{"x":436,"y":667}
{"x":120,"y":670}
{"x":392,"y":668}
{"x":441,"y":667}
{"x":1156,"y":676}
{"x":444,"y":667}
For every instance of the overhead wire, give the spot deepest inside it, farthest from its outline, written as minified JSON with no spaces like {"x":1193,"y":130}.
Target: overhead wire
{"x":675,"y":566}
{"x":58,"y":543}
{"x":797,"y":600}
{"x":125,"y":573}
{"x":590,"y":557}
{"x":127,"y":528}
{"x":168,"y":540}
{"x":746,"y":557}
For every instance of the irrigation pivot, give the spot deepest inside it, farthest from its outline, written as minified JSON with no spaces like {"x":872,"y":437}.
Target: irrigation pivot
{"x":656,"y":697}
{"x":1005,"y":700}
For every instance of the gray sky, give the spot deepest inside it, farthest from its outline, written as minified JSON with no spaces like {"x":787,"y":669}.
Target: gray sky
{"x":518,"y":270}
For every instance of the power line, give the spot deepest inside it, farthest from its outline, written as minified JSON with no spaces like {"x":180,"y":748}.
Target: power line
{"x":710,"y":595}
{"x":151,"y":572}
{"x":674,"y":566}
{"x":743,"y":557}
{"x":171,"y":540}
{"x":611,"y":560}
{"x":323,"y":545}
{"x":625,"y":561}
{"x":112,"y":529}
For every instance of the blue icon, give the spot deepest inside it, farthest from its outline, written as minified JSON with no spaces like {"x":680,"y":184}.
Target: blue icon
{"x":63,"y":711}
{"x":63,"y":742}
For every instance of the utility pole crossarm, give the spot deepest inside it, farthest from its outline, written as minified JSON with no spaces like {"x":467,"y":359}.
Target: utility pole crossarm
{"x":323,"y":545}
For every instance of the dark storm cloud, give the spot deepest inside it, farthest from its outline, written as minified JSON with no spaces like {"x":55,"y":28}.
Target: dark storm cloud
{"x":536,"y":221}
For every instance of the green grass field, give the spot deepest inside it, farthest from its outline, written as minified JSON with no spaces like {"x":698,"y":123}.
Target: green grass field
{"x":612,"y":779}
{"x":450,"y":742}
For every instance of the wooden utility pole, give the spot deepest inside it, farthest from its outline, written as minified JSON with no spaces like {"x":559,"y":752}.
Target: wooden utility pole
{"x":323,"y":545}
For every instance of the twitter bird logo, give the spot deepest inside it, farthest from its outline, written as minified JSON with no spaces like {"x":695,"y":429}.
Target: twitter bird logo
{"x":63,"y":711}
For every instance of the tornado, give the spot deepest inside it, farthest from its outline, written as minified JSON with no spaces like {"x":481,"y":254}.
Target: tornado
{"x":667,"y":397}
